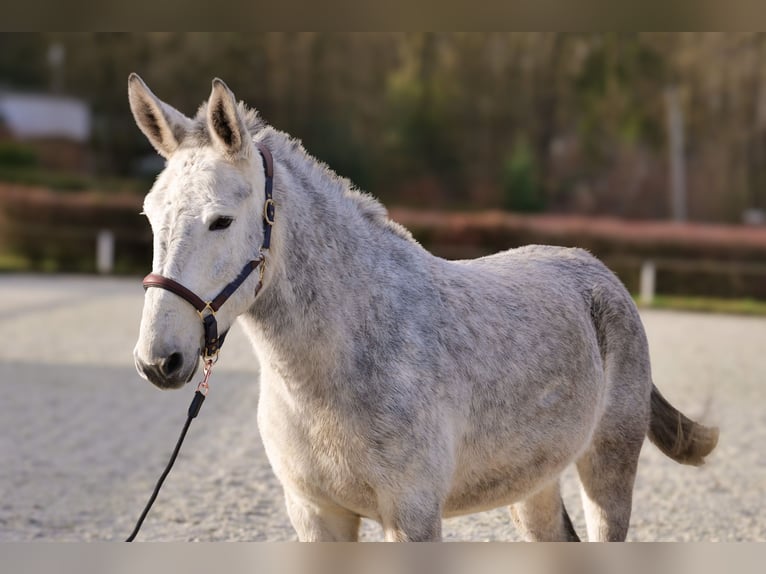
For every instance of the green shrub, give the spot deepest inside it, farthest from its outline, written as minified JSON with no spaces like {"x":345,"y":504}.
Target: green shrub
{"x":13,"y":154}
{"x":61,"y":181}
{"x":521,"y":186}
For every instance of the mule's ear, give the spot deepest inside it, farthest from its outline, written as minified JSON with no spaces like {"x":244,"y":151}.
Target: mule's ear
{"x":225,"y":121}
{"x":163,"y":125}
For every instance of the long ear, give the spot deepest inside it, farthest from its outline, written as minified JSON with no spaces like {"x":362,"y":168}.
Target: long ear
{"x":163,"y":125}
{"x":225,"y":122}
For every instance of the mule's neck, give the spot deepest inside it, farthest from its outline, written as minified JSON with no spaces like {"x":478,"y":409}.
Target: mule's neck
{"x":333,"y":265}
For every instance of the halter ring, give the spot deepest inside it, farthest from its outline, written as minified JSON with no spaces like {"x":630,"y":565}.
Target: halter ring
{"x":206,"y":307}
{"x":266,"y":217}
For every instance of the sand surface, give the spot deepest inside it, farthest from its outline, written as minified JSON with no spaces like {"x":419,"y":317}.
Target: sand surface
{"x":83,"y":438}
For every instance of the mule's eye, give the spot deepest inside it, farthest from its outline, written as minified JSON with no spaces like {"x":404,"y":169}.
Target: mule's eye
{"x":221,"y":223}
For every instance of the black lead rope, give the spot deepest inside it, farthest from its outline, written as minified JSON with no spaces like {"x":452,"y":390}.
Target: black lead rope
{"x":194,"y":408}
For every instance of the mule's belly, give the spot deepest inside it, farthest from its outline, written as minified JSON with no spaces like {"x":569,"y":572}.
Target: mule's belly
{"x":504,"y":485}
{"x":500,"y":464}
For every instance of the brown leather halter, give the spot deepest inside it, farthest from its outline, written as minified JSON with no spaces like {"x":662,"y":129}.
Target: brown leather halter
{"x":213,"y":341}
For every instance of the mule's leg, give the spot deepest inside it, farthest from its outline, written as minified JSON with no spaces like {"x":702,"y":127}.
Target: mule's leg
{"x":315,"y":523}
{"x":412,"y":518}
{"x":543,"y":518}
{"x":607,"y":472}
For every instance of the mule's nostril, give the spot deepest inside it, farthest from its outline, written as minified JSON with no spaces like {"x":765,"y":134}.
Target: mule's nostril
{"x":171,"y":364}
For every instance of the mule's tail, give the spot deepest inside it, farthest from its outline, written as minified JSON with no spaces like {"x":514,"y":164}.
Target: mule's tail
{"x":676,"y":435}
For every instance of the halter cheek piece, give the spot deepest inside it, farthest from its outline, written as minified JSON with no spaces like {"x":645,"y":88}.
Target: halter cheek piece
{"x":213,"y":341}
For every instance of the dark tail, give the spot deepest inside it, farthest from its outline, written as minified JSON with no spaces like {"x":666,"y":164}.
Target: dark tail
{"x":677,"y":436}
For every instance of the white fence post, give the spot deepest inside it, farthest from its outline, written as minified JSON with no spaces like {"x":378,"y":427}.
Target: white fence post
{"x":105,"y":251}
{"x":648,"y":279}
{"x":676,"y":146}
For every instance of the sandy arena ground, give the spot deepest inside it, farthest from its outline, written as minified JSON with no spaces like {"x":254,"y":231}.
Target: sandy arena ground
{"x":83,"y":438}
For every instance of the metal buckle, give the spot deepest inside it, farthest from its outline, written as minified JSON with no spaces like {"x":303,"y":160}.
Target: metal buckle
{"x":266,"y":204}
{"x":261,"y":264}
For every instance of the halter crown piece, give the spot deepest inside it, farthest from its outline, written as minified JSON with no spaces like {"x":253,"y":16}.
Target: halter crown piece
{"x":213,"y":341}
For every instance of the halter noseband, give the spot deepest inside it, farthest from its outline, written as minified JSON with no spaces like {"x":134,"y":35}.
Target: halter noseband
{"x":213,"y":341}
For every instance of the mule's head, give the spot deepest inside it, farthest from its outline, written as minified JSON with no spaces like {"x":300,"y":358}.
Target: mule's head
{"x":205,"y":213}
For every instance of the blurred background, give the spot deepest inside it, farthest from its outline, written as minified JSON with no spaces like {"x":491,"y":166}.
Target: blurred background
{"x":478,"y":142}
{"x":649,"y":149}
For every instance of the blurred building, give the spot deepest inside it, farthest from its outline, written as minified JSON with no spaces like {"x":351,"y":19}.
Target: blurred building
{"x":58,"y":128}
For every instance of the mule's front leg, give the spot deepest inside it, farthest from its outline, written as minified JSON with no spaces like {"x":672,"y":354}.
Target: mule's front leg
{"x":412,"y":519}
{"x":315,"y":523}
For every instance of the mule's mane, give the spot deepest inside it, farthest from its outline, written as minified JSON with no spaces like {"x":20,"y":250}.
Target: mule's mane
{"x":305,"y":166}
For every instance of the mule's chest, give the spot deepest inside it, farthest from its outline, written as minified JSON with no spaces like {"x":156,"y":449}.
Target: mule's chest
{"x":316,"y":453}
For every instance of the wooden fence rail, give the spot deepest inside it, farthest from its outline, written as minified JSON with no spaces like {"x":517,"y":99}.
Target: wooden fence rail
{"x":97,"y":233}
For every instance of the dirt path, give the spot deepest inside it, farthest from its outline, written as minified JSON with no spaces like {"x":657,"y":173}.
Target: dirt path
{"x":83,"y":439}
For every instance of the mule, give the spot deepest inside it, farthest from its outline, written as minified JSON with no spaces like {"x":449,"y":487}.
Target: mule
{"x":396,"y":385}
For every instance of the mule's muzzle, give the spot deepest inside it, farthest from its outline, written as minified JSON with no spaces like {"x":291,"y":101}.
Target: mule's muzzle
{"x":170,"y":372}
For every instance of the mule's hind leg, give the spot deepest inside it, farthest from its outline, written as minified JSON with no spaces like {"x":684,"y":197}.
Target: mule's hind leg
{"x":607,"y":472}
{"x":315,"y":523}
{"x":543,"y":518}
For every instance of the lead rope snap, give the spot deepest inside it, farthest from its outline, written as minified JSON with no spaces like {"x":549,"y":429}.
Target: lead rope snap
{"x":194,"y":407}
{"x":203,"y":387}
